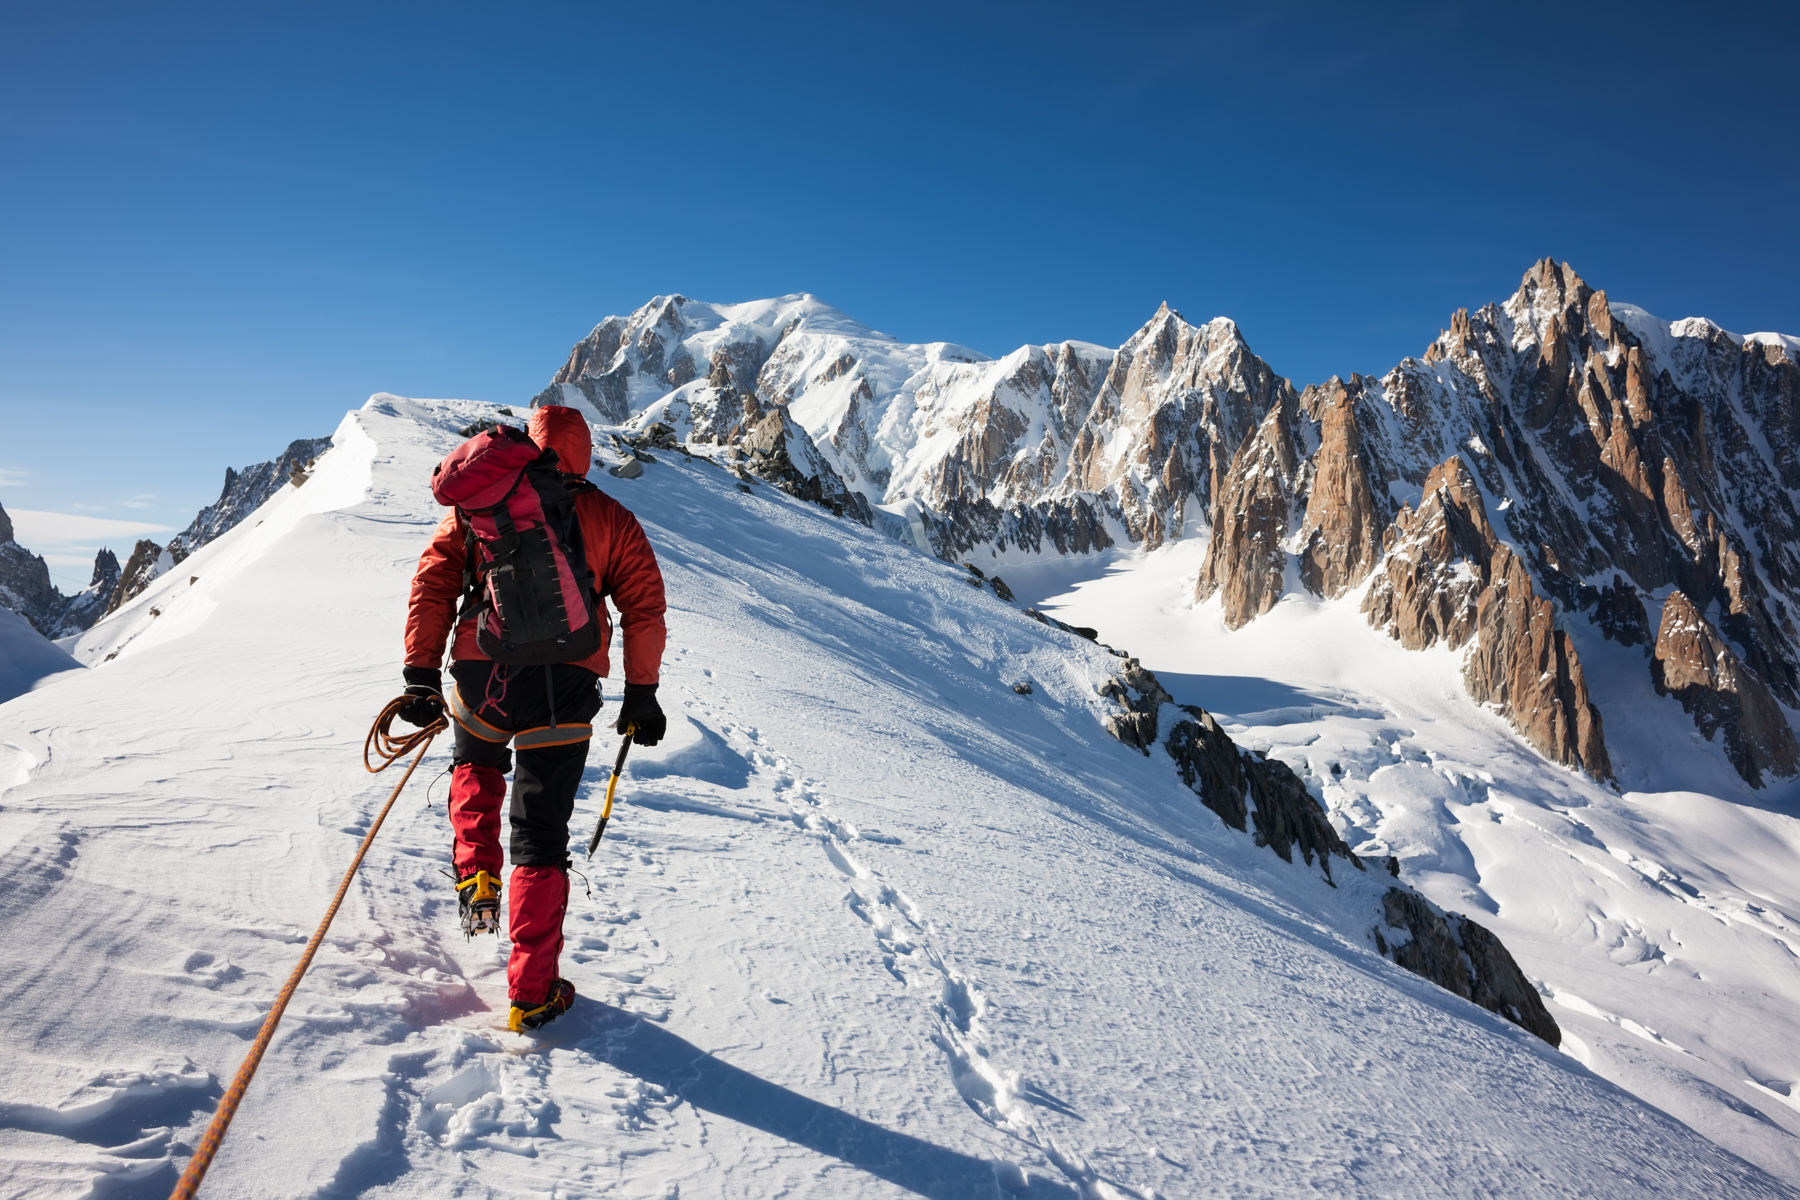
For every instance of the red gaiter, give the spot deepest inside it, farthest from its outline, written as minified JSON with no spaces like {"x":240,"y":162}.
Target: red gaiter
{"x":538,"y":898}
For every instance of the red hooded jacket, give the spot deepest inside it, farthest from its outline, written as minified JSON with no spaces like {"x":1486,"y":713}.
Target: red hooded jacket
{"x":618,"y":553}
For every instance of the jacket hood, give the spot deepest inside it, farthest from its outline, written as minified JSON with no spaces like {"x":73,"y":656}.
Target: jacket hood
{"x":554,"y":427}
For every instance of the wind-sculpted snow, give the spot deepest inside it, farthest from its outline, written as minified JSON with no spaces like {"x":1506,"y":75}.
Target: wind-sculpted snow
{"x":934,"y":937}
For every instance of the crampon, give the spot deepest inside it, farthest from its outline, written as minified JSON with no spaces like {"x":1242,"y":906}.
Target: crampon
{"x":533,"y":1016}
{"x":478,"y":898}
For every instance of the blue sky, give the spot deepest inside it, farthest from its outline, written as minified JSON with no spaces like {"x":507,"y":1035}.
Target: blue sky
{"x":222,"y":226}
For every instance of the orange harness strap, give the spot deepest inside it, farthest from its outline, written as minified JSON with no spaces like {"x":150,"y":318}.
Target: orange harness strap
{"x":471,"y":721}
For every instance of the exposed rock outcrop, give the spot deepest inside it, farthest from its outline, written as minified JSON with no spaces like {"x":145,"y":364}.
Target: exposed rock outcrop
{"x":1239,"y":785}
{"x":777,"y":450}
{"x":245,"y":491}
{"x":88,"y":605}
{"x":1447,"y":577}
{"x":1692,"y":662}
{"x":1252,"y":791}
{"x":1247,"y":559}
{"x":1620,"y":615}
{"x":25,"y":585}
{"x":1141,"y":695}
{"x":1462,"y":957}
{"x":1341,"y":535}
{"x":25,"y":588}
{"x":148,"y":563}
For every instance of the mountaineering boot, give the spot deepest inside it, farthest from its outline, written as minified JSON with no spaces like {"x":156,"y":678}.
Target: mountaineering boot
{"x":478,"y":897}
{"x":533,"y":1016}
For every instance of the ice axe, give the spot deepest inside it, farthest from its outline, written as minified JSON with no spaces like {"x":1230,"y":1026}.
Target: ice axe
{"x":611,"y":786}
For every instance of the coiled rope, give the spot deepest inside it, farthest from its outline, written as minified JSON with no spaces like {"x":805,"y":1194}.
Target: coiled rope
{"x":382,"y":744}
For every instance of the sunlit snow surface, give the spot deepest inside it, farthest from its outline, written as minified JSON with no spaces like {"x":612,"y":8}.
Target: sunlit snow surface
{"x":1662,"y":923}
{"x":871,"y":924}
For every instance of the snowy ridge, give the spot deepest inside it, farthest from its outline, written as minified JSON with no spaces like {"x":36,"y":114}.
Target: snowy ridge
{"x":871,"y":924}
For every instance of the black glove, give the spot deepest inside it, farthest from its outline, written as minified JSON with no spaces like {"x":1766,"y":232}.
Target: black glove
{"x":424,"y":696}
{"x":640,"y":708}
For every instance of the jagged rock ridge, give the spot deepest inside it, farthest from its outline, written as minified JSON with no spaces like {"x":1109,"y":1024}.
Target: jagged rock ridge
{"x":1586,"y":456}
{"x":244,"y":492}
{"x":25,"y":585}
{"x":25,"y":588}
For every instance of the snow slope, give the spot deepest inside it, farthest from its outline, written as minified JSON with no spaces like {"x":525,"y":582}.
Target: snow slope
{"x":870,"y":924}
{"x":27,"y":657}
{"x":1662,"y":922}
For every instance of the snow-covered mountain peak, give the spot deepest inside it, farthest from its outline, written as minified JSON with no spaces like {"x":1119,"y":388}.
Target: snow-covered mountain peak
{"x":1598,"y":435}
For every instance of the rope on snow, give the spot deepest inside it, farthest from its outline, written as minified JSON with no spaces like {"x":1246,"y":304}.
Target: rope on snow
{"x":382,"y":743}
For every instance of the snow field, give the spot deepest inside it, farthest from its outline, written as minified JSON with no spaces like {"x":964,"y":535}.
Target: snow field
{"x":870,"y":924}
{"x":1660,"y":923}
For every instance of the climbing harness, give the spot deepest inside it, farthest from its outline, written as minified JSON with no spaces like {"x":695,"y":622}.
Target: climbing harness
{"x":382,"y":743}
{"x":611,"y":785}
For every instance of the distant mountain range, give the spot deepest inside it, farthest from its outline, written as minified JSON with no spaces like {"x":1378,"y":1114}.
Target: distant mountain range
{"x":1552,"y":467}
{"x":25,"y":585}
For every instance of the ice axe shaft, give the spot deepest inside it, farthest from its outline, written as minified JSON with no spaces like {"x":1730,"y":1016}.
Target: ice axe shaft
{"x":612,"y":785}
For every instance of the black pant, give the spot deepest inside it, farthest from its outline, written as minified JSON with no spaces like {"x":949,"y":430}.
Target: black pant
{"x":543,"y":795}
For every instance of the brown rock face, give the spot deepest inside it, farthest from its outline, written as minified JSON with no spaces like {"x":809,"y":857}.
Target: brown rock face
{"x":1447,"y":577}
{"x":1245,"y":560}
{"x":1526,"y":665}
{"x":776,"y":449}
{"x":1342,"y":527}
{"x":1437,"y":564}
{"x":1695,"y":664}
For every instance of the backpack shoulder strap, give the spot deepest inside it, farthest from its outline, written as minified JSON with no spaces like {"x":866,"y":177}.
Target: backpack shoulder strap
{"x":473,"y":596}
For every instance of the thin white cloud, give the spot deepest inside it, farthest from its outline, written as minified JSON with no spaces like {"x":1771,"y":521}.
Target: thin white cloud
{"x":46,"y":531}
{"x":11,"y":478}
{"x":137,"y":502}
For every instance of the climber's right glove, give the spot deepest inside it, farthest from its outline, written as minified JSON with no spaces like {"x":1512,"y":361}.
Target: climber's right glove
{"x":424,"y":696}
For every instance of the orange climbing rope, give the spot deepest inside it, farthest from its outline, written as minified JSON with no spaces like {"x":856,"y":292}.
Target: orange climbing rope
{"x":384,"y":745}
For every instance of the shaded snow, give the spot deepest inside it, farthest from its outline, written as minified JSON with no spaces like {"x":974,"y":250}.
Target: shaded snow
{"x":27,"y":658}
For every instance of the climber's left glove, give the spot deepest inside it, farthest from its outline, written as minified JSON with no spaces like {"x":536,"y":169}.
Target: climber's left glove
{"x":640,"y":708}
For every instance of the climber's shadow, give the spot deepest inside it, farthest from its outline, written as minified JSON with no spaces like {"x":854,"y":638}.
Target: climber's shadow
{"x":647,"y":1051}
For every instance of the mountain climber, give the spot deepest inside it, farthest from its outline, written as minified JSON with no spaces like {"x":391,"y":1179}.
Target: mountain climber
{"x":545,"y":710}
